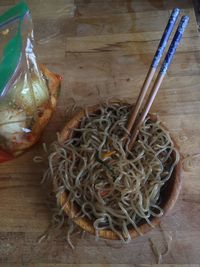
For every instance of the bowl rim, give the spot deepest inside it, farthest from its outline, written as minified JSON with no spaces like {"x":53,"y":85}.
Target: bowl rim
{"x":87,"y":224}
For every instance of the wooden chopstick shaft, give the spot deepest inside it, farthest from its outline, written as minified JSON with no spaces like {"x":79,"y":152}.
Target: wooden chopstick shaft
{"x":140,"y":99}
{"x":145,"y":111}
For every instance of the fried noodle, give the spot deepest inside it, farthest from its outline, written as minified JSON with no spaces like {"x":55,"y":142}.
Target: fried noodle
{"x":113,"y":187}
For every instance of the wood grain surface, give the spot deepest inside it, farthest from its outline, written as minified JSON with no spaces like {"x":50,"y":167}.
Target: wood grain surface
{"x":103,"y":49}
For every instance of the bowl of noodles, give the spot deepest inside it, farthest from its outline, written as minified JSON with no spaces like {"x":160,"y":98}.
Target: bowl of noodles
{"x":102,"y":186}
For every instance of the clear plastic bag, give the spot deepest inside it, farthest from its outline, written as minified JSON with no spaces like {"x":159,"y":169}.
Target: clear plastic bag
{"x":28,"y":91}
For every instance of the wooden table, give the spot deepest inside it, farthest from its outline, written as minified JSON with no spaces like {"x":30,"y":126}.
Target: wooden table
{"x":104,"y":51}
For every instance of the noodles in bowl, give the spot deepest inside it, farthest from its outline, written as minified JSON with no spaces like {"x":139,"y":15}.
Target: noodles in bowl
{"x":104,"y":187}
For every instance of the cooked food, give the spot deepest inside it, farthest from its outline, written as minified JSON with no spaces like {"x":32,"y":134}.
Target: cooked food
{"x":114,"y":188}
{"x":25,"y":112}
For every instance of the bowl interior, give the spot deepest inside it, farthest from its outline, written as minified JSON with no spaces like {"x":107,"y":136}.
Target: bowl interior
{"x":169,"y":193}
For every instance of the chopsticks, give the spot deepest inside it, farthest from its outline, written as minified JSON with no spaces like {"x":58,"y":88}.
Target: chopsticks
{"x":156,"y":59}
{"x":134,"y":124}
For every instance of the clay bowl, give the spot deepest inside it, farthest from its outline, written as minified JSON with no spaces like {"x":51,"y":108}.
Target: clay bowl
{"x":169,"y":193}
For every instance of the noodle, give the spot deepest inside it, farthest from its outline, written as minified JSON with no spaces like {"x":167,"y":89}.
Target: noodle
{"x":155,"y":251}
{"x":114,"y":187}
{"x":156,"y":248}
{"x":38,"y":159}
{"x":190,"y":161}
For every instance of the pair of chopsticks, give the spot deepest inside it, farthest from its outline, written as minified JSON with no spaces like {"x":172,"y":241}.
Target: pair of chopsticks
{"x":137,"y":119}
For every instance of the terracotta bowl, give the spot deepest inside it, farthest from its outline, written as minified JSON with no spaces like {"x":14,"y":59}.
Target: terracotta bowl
{"x":169,"y":193}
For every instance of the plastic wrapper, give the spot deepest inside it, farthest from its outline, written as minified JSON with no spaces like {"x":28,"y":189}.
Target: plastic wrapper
{"x":28,"y":91}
